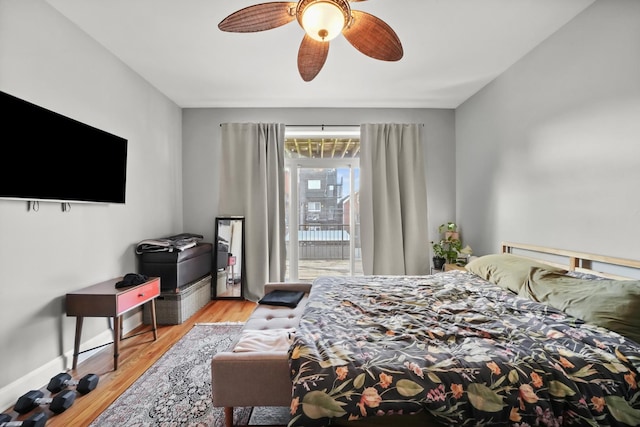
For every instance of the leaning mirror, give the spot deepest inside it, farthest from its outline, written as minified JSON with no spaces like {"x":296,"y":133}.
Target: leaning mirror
{"x":229,"y":257}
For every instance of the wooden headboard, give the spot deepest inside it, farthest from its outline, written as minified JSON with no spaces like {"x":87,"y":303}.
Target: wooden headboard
{"x":600,"y":265}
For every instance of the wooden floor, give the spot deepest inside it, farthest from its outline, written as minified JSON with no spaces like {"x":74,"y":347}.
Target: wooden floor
{"x":137,"y":354}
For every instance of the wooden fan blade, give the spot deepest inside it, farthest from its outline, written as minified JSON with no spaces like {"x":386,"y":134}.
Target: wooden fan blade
{"x":259,"y":17}
{"x":311,"y":57}
{"x":373,"y":37}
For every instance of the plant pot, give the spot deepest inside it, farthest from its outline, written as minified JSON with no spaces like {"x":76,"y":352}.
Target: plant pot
{"x":452,"y":235}
{"x":438,"y":263}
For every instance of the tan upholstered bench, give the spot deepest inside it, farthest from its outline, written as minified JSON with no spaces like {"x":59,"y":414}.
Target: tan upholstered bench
{"x":257,"y":378}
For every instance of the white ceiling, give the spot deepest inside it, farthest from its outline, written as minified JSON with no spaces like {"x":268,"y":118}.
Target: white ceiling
{"x":452,"y":48}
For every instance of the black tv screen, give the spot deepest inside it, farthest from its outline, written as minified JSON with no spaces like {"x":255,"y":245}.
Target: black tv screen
{"x":50,"y":157}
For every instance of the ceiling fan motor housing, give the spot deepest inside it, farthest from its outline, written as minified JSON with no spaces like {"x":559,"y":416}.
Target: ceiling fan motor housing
{"x":321,"y":33}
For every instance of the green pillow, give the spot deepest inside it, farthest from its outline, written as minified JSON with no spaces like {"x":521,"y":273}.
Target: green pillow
{"x":506,"y":270}
{"x":611,"y":304}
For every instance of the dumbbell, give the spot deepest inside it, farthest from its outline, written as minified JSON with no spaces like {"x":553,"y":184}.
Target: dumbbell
{"x":34,"y":398}
{"x":35,"y":420}
{"x":62,"y":380}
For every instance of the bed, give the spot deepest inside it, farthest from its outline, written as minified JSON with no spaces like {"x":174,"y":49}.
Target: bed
{"x":529,"y":336}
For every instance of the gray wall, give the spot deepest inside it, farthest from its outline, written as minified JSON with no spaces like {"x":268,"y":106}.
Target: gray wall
{"x":549,"y":152}
{"x":201,"y":142}
{"x":43,"y":255}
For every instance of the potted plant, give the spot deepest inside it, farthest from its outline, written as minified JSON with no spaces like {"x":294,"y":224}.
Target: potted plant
{"x":452,"y":249}
{"x":438,"y":254}
{"x":445,"y":251}
{"x":450,"y":230}
{"x":448,"y":248}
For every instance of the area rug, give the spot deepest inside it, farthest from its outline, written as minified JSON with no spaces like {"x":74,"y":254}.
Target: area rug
{"x":176,"y":390}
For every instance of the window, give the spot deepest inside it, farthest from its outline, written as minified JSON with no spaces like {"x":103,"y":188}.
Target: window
{"x":314,"y":207}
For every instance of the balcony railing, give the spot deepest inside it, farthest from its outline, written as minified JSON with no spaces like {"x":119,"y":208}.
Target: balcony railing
{"x":324,"y":242}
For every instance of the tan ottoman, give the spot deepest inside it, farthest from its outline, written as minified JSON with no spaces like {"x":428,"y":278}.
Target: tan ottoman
{"x":258,"y":378}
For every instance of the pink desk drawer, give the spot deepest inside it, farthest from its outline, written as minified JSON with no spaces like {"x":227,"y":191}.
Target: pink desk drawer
{"x":138,"y":296}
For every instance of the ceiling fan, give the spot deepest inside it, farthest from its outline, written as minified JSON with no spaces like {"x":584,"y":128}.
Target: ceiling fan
{"x":322,"y":20}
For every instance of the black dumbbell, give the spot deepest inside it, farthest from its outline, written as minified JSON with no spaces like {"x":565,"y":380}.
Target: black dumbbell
{"x":35,"y":420}
{"x":34,"y":398}
{"x":62,"y":380}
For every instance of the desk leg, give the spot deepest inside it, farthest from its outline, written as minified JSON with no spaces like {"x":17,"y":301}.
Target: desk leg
{"x":153,"y":319}
{"x":76,"y":344}
{"x":117,"y":322}
{"x":228,"y":416}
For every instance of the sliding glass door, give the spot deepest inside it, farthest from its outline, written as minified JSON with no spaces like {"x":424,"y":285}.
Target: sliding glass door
{"x":322,"y":207}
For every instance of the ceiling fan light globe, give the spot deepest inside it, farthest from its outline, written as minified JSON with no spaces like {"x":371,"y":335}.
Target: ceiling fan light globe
{"x":323,"y":20}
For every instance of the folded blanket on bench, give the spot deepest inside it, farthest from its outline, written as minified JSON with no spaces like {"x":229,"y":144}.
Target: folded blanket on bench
{"x":264,"y":340}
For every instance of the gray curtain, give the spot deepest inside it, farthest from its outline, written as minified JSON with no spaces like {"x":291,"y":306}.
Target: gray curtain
{"x":393,"y":200}
{"x":252,"y":185}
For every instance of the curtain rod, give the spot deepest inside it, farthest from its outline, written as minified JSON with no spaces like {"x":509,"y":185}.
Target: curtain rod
{"x":322,"y":126}
{"x":316,"y":125}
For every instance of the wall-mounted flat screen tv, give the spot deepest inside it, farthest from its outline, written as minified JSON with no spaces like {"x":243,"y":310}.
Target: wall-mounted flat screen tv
{"x":49,"y":157}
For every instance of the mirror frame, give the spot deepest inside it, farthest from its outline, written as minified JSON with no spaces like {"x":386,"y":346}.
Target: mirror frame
{"x":215,"y":268}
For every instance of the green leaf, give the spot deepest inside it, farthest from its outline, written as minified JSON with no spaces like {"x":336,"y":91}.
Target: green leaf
{"x":408,"y":388}
{"x":340,"y":387}
{"x":292,"y":422}
{"x":615,"y":367}
{"x":585,"y":371}
{"x":359,"y":381}
{"x":304,"y":351}
{"x":621,"y":411}
{"x":434,"y":349}
{"x":444,"y":363}
{"x":334,"y":356}
{"x":513,"y":376}
{"x":477,"y":357}
{"x":498,"y":382}
{"x":318,"y":404}
{"x":433,"y":377}
{"x":328,"y":363}
{"x":484,"y":399}
{"x":559,"y":389}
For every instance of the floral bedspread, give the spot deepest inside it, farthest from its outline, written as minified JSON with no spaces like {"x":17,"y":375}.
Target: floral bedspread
{"x":460,"y":348}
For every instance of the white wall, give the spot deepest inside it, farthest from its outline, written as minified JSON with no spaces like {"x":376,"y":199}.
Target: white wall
{"x":201,"y":141}
{"x":549,"y":152}
{"x":43,"y":255}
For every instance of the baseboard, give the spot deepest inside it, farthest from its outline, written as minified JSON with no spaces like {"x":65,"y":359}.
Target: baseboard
{"x":40,"y":376}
